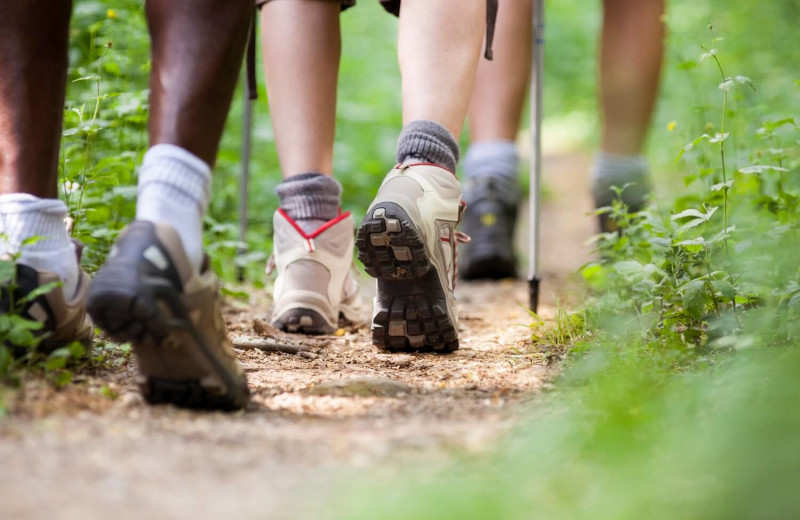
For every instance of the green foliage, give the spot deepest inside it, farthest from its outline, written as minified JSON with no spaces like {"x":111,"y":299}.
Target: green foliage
{"x":555,"y":339}
{"x":105,"y":121}
{"x":680,"y":399}
{"x":20,"y":338}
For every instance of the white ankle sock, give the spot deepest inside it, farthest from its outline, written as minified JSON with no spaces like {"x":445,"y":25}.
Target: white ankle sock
{"x":24,"y":216}
{"x":174,"y":189}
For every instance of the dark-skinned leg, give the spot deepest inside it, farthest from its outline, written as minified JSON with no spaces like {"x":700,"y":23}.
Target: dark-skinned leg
{"x":197,"y":48}
{"x":33,"y":77}
{"x":33,"y":69}
{"x":151,"y":292}
{"x":197,"y":54}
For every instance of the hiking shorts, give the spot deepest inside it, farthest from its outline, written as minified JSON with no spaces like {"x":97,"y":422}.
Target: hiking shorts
{"x":393,"y":6}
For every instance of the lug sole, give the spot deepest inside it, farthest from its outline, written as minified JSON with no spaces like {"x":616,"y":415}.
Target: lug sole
{"x":173,"y":357}
{"x":303,"y":321}
{"x":411,"y":306}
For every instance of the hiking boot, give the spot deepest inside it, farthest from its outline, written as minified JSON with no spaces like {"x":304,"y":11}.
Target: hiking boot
{"x":64,"y":321}
{"x":408,"y":242}
{"x":150,"y":295}
{"x":490,"y":219}
{"x":315,"y":285}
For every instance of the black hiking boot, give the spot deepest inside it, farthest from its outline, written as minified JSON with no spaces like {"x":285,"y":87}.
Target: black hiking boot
{"x":489,"y":220}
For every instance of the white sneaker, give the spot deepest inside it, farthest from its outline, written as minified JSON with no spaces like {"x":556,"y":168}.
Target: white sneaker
{"x":408,"y":242}
{"x":315,"y":284}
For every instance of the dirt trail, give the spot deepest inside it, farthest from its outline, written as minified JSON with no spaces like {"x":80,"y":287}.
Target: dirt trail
{"x":78,"y":454}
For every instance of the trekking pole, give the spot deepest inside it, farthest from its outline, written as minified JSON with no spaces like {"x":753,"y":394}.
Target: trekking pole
{"x":244,"y":179}
{"x":537,"y":88}
{"x":250,"y":96}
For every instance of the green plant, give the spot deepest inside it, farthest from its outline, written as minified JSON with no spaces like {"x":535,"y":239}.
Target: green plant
{"x":21,"y":337}
{"x":556,"y":337}
{"x":680,"y":399}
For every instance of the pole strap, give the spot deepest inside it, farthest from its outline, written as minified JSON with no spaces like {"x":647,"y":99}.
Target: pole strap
{"x":492,"y":6}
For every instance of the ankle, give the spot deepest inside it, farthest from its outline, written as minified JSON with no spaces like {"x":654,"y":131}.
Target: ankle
{"x":611,"y":170}
{"x":608,"y":166}
{"x":428,"y":142}
{"x":310,"y":199}
{"x":24,"y":217}
{"x":174,"y":189}
{"x":495,"y":158}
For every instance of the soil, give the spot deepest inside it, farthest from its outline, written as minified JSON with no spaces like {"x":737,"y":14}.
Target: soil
{"x":94,"y":450}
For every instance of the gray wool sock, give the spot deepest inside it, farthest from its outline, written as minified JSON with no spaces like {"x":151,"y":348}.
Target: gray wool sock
{"x":618,"y":170}
{"x":427,"y":142}
{"x":495,"y":162}
{"x":310,"y":199}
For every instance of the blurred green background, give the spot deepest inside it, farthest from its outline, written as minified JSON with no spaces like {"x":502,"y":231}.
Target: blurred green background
{"x":680,"y":397}
{"x":101,"y":155}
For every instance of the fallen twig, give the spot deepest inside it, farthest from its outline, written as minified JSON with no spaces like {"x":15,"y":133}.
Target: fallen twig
{"x":267,"y":345}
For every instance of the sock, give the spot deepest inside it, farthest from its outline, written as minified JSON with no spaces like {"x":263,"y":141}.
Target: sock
{"x":618,"y":170}
{"x":24,"y":216}
{"x":310,"y":199}
{"x":174,"y":189}
{"x":495,"y":162}
{"x":427,"y":142}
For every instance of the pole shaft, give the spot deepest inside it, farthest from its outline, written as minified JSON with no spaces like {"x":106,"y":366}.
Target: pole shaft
{"x":537,"y":94}
{"x":537,"y":91}
{"x":244,"y":180}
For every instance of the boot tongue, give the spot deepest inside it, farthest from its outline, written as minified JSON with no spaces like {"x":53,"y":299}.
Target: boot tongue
{"x":310,"y":225}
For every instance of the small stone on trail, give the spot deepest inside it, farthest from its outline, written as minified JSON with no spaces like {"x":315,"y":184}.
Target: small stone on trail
{"x":401,"y":361}
{"x":131,"y":400}
{"x":262,"y":328}
{"x":361,"y":387}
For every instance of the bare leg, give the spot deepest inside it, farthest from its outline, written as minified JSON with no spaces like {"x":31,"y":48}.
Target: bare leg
{"x":302,"y":75}
{"x":491,"y":165}
{"x":630,"y":67}
{"x":439,"y":45}
{"x":197,"y":54}
{"x":408,"y":239}
{"x":33,"y":77}
{"x":501,"y":85}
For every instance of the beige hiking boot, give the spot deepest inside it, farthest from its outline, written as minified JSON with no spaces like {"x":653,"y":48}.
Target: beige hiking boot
{"x":64,"y":321}
{"x":315,"y":287}
{"x":149,"y":294}
{"x":408,"y":242}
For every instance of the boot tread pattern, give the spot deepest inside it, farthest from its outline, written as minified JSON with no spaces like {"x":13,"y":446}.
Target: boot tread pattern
{"x":411,"y":307}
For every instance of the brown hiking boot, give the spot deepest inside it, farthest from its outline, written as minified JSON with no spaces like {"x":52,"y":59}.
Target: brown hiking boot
{"x":64,"y":321}
{"x":149,"y":294}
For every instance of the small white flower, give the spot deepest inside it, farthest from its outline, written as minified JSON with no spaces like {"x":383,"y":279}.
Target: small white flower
{"x":71,"y":187}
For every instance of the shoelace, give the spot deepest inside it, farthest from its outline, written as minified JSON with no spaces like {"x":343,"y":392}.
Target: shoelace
{"x":460,"y":238}
{"x":271,"y":265}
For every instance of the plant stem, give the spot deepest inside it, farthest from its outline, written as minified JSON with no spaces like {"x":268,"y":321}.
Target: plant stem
{"x":722,"y":158}
{"x":88,"y":146}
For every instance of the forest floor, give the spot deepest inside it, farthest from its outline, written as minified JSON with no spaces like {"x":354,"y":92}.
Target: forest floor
{"x":94,"y":450}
